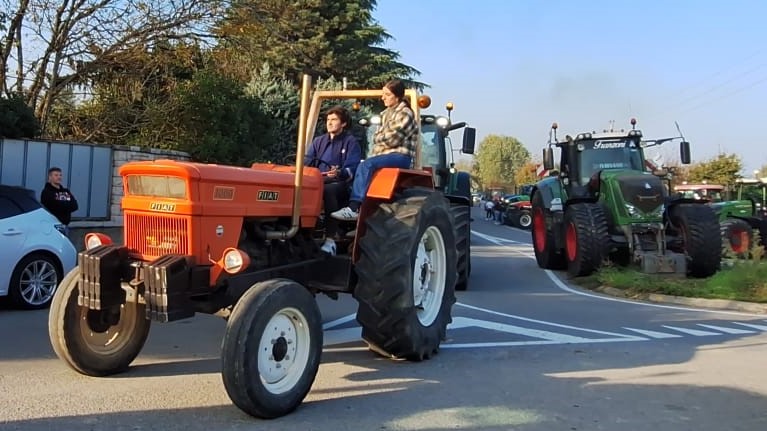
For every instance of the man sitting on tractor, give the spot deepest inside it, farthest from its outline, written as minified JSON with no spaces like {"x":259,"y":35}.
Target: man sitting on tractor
{"x":394,"y":145}
{"x":337,"y":155}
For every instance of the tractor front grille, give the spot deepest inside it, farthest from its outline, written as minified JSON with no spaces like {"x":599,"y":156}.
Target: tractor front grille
{"x":152,"y":236}
{"x":645,"y":192}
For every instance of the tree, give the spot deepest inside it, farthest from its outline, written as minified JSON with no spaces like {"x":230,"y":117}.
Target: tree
{"x":723,"y":169}
{"x":499,"y":158}
{"x":339,"y":39}
{"x":527,"y":173}
{"x":17,"y":120}
{"x":47,"y":47}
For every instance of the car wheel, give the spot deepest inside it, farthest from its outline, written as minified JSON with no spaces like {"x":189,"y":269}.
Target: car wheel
{"x":34,"y":281}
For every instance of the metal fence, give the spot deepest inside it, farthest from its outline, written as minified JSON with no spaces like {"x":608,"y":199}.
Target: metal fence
{"x":87,"y":171}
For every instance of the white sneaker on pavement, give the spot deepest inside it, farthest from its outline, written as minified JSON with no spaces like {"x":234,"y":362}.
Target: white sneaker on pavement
{"x":329,"y":247}
{"x":345,"y":213}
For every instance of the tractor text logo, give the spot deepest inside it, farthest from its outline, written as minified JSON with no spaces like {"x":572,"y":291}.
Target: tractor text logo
{"x":608,"y":145}
{"x":221,"y":193}
{"x":160,"y":206}
{"x":268,"y":195}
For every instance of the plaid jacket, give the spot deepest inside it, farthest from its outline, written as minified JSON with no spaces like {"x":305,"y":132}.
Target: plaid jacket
{"x":398,"y":132}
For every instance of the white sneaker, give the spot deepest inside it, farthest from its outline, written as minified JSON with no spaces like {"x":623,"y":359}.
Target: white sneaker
{"x":329,"y":247}
{"x":346,"y":214}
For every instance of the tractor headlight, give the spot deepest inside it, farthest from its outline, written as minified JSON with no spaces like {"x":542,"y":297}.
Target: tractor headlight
{"x":234,"y":260}
{"x":633,"y":211}
{"x":375,"y":120}
{"x":442,"y":122}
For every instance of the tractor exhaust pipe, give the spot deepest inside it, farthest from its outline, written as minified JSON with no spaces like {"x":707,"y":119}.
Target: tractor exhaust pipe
{"x":295,"y":221}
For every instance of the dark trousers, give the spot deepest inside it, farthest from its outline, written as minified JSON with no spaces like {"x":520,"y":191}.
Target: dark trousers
{"x":335,"y":196}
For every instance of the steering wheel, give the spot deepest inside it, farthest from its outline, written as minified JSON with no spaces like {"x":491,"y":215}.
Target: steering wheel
{"x":314,"y":161}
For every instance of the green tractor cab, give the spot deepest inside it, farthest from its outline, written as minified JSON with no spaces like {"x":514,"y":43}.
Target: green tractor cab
{"x":601,"y":204}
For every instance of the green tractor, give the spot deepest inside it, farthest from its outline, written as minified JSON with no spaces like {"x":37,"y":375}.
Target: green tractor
{"x":603,"y":204}
{"x":436,"y":154}
{"x":740,"y":218}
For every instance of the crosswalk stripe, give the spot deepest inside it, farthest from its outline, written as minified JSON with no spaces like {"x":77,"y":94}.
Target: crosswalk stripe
{"x":752,"y":325}
{"x":653,"y":334}
{"x":726,"y":330}
{"x":696,"y":332}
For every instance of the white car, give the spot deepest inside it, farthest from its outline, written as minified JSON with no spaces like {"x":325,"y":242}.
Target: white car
{"x":34,"y":253}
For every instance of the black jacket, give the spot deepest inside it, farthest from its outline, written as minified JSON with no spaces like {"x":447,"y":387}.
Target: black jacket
{"x":59,"y":202}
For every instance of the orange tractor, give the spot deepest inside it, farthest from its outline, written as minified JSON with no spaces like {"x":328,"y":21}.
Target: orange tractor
{"x":242,"y":243}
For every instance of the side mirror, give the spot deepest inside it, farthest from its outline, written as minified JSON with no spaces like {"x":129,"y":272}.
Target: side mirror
{"x":684,"y":152}
{"x":469,"y":136}
{"x":548,"y":159}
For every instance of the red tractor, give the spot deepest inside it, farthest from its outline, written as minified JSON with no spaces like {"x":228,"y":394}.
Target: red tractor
{"x":242,"y":243}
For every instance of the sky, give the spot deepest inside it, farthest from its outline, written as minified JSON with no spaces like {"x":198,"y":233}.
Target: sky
{"x":513,"y":67}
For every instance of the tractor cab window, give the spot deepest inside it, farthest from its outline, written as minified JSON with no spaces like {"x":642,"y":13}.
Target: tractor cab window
{"x":430,"y":148}
{"x":604,"y":154}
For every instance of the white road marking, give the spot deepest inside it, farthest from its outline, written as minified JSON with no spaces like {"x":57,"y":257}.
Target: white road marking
{"x":465,"y":322}
{"x":543,"y":322}
{"x":563,"y":286}
{"x":653,"y":334}
{"x":338,"y":322}
{"x":695,"y":332}
{"x":752,"y":325}
{"x":726,"y":330}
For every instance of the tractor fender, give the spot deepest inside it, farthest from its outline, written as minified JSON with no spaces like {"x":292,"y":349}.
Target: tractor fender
{"x":386,"y":182}
{"x":462,"y":185}
{"x":552,"y":194}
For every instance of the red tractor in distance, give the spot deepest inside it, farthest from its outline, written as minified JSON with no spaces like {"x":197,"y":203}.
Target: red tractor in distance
{"x":241,"y":243}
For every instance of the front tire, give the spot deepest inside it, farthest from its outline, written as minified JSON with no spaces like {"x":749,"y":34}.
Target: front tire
{"x":546,"y":254}
{"x":462,"y":219}
{"x":406,"y":276}
{"x":525,"y":219}
{"x":699,"y":227}
{"x":586,"y":238}
{"x":272,"y":348}
{"x":95,"y":342}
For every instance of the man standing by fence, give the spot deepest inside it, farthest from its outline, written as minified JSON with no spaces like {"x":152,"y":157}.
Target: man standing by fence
{"x":57,"y":199}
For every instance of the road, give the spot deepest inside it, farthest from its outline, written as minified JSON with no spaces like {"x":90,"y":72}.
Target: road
{"x":526,"y":351}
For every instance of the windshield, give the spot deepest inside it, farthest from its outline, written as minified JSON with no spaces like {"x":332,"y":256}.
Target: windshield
{"x":712,"y":195}
{"x":609,"y":154}
{"x":431,"y":150}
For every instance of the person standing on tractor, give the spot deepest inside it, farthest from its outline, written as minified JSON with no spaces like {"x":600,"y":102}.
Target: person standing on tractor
{"x":337,"y":155}
{"x":394,"y":146}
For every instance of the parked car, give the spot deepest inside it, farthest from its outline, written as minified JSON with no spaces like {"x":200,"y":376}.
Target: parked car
{"x":476,"y":198}
{"x":35,"y":254}
{"x":519,"y":214}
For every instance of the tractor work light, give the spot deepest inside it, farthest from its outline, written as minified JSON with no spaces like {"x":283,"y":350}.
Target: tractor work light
{"x":234,"y":260}
{"x":442,"y":122}
{"x":94,"y":239}
{"x":581,"y":136}
{"x":375,"y":120}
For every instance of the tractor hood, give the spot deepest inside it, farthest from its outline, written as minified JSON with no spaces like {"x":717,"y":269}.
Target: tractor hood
{"x":638,"y":196}
{"x":725,"y":209}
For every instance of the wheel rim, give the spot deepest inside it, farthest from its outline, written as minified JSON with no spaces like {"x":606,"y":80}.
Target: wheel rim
{"x":572,"y":242}
{"x":740,"y":242}
{"x":539,"y":229}
{"x":108,"y":331}
{"x":429,"y":275}
{"x":525,"y":220}
{"x":38,"y":282}
{"x":283,"y":352}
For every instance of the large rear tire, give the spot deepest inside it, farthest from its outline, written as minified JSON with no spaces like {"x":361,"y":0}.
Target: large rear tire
{"x":547,"y":256}
{"x":462,"y":218}
{"x":406,"y":276}
{"x":95,"y":343}
{"x":272,"y":348}
{"x":586,"y":238}
{"x":698,"y":226}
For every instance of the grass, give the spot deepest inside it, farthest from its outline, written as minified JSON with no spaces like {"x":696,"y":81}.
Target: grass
{"x":739,"y":280}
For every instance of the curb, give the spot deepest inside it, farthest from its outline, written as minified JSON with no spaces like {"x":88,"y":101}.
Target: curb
{"x":714,"y":304}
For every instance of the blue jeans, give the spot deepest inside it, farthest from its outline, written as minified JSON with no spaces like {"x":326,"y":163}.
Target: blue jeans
{"x":367,"y":167}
